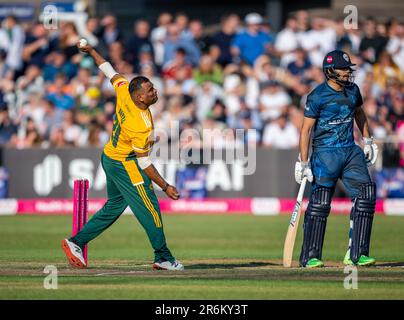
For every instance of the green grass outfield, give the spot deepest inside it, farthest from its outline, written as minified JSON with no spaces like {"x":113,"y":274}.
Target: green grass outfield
{"x":226,"y":257}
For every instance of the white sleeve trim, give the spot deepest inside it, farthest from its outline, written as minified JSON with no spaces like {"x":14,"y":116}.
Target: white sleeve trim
{"x":107,"y":69}
{"x":144,"y":162}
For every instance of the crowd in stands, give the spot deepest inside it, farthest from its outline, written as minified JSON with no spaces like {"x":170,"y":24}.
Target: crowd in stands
{"x":237,"y":74}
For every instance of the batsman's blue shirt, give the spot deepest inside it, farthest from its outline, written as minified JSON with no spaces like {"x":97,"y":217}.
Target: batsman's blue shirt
{"x":335,"y":114}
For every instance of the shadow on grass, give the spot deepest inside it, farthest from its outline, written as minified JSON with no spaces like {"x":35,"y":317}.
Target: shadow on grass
{"x":230,"y":265}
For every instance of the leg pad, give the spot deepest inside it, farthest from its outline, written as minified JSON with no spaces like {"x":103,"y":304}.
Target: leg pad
{"x":315,"y":221}
{"x":362,"y":215}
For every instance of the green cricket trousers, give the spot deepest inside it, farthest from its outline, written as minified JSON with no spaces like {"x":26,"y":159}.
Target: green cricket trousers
{"x":125,"y":187}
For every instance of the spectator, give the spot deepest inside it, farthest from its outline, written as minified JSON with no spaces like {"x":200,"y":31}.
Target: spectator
{"x":372,"y":44}
{"x":71,"y":130}
{"x":145,"y":58}
{"x":300,"y":65}
{"x":68,"y":41}
{"x":386,"y":69}
{"x":395,"y":46}
{"x":397,"y":112}
{"x":91,"y":106}
{"x":57,"y":138}
{"x":139,"y":42}
{"x":7,"y":127}
{"x":287,"y":41}
{"x":273,"y":101}
{"x":205,"y":98}
{"x":302,"y":19}
{"x":234,"y":90}
{"x":79,"y":85}
{"x":38,"y":45}
{"x":222,"y":40}
{"x":178,"y":62}
{"x":33,"y":139}
{"x":97,"y":136}
{"x":343,"y":41}
{"x":61,"y":81}
{"x":29,"y":138}
{"x":116,"y":53}
{"x":181,"y":84}
{"x":320,"y":40}
{"x":52,"y":118}
{"x":252,"y":136}
{"x":218,"y":137}
{"x":33,"y":109}
{"x":400,"y":138}
{"x":158,"y":36}
{"x":355,"y":36}
{"x":181,"y":20}
{"x":280,"y":134}
{"x":59,"y":94}
{"x":202,"y":42}
{"x":177,"y":112}
{"x":208,"y":71}
{"x":174,"y":41}
{"x":218,"y":112}
{"x":31,"y":83}
{"x":246,"y":118}
{"x":12,"y":39}
{"x":251,"y":43}
{"x":89,"y":31}
{"x":108,"y":32}
{"x":56,"y":64}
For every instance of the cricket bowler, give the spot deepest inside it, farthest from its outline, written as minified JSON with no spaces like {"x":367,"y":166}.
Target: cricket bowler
{"x":129,"y":170}
{"x":329,"y":116}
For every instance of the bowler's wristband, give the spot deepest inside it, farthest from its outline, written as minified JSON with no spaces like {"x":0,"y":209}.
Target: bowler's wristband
{"x":165,"y":187}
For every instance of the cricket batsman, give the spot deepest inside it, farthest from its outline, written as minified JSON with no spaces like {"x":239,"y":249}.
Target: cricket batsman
{"x":129,"y":170}
{"x":329,"y":116}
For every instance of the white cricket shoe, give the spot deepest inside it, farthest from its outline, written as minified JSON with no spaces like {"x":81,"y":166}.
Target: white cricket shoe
{"x":74,"y":254}
{"x":167,"y":265}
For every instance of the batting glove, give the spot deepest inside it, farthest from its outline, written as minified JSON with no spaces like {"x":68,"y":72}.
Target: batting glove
{"x":371,"y":151}
{"x":302,"y":169}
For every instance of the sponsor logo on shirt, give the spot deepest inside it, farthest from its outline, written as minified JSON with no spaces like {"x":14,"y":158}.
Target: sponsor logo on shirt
{"x":339,"y":121}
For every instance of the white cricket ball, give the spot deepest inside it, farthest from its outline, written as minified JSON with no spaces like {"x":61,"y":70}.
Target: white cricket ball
{"x":83,"y":43}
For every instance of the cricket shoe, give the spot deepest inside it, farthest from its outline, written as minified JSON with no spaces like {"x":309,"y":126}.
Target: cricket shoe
{"x":363,"y":260}
{"x":167,"y":265}
{"x":314,"y":263}
{"x":74,"y":254}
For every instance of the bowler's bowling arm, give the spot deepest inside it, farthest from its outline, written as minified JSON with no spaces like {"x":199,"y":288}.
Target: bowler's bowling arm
{"x":102,"y":64}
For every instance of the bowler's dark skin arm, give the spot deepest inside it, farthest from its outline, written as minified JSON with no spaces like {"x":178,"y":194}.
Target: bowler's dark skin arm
{"x":155,"y":176}
{"x":98,"y":59}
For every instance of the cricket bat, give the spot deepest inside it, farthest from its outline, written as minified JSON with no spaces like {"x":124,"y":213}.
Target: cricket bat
{"x":293,"y":226}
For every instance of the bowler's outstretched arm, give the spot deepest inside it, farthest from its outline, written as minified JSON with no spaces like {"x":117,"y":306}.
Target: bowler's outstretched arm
{"x":101,"y":63}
